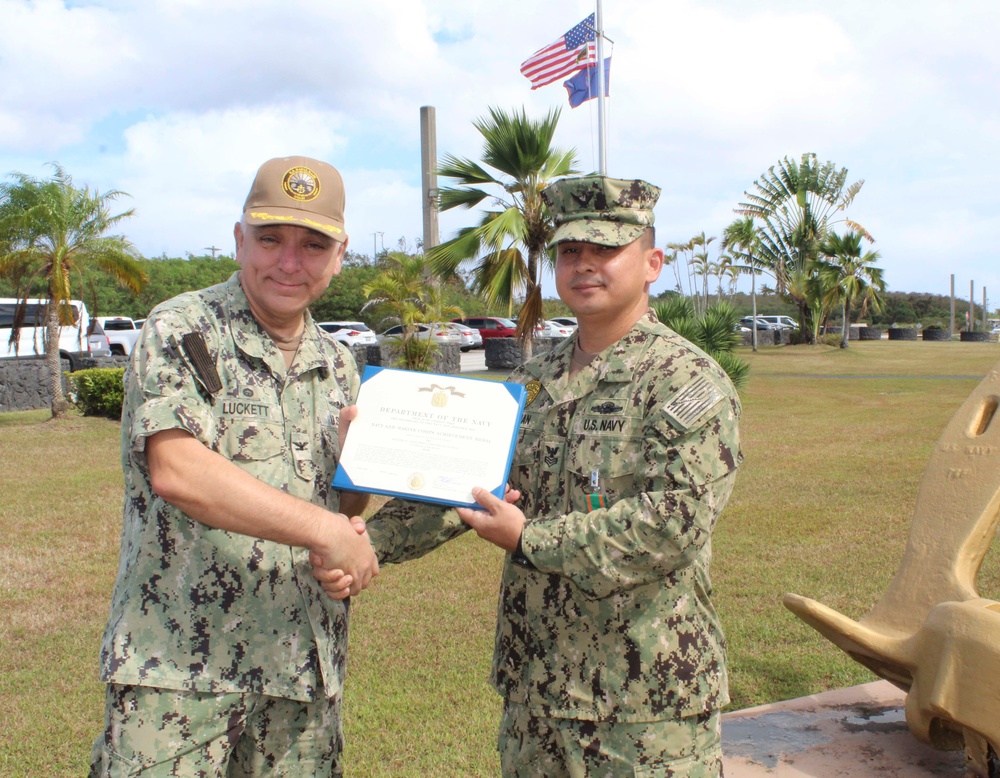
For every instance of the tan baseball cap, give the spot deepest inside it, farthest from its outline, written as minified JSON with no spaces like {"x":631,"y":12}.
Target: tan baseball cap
{"x":300,"y":191}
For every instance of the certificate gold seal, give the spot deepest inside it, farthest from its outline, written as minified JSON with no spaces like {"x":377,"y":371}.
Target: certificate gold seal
{"x":416,"y":481}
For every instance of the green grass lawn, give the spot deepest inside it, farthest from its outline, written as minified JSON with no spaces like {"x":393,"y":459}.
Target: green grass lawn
{"x":835,"y":443}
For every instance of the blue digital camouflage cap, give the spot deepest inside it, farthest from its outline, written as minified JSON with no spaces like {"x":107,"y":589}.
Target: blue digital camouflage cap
{"x":601,"y":210}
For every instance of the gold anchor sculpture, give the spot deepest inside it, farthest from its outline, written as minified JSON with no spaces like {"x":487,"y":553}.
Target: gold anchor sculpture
{"x":931,"y":634}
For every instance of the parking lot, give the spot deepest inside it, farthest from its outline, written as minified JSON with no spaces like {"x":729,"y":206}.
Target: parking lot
{"x":474,"y":361}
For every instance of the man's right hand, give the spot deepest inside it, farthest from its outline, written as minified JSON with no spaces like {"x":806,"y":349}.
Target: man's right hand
{"x":343,"y":549}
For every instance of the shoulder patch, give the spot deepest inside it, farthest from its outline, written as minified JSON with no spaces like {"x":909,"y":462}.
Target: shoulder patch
{"x":693,"y":401}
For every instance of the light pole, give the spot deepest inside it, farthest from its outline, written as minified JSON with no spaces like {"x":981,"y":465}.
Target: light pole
{"x":375,"y":237}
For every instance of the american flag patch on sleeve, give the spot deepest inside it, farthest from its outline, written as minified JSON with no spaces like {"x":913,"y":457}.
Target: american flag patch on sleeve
{"x":692,"y":401}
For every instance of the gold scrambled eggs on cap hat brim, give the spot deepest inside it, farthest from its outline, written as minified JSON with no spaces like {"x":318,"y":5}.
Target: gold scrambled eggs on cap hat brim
{"x":299,"y":191}
{"x":601,"y":210}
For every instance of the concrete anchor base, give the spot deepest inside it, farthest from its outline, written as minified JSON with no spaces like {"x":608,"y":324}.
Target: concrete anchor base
{"x":855,"y":732}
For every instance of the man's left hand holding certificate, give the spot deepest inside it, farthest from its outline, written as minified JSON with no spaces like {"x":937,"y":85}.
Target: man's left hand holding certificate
{"x":430,"y":437}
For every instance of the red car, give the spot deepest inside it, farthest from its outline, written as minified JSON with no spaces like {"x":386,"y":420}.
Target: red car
{"x":490,"y":326}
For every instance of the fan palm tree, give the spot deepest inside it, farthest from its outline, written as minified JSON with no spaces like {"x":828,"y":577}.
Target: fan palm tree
{"x":508,"y":246}
{"x":794,"y":204}
{"x":851,"y":276}
{"x":52,"y":232}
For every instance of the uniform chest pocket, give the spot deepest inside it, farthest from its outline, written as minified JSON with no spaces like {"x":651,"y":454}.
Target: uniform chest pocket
{"x":249,"y":439}
{"x":612,"y":459}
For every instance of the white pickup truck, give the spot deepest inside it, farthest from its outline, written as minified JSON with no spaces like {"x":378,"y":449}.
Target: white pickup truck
{"x":75,"y":340}
{"x":121,"y":332}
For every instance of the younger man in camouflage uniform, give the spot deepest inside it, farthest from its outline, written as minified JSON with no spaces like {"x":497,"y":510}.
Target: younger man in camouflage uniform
{"x":609,"y":655}
{"x":222,"y":653}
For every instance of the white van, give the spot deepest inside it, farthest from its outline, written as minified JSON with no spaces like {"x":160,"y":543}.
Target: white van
{"x":781,"y":322}
{"x":75,"y":340}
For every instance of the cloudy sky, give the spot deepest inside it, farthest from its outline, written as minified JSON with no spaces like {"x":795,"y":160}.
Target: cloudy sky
{"x":177,"y":102}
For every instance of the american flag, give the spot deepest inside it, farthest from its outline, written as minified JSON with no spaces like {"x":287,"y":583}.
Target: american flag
{"x":574,"y":50}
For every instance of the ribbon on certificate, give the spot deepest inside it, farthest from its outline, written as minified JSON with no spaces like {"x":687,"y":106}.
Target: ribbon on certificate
{"x":449,"y":389}
{"x":440,"y":394}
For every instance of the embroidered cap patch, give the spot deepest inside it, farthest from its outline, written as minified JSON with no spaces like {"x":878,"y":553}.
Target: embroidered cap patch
{"x":300,"y":183}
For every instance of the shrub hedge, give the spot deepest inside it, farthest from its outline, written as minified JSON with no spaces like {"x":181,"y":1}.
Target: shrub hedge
{"x":99,"y":391}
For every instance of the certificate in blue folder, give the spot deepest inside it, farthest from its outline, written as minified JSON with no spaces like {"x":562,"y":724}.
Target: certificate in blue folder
{"x":430,"y":437}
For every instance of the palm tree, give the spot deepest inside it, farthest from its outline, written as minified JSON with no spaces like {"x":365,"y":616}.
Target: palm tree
{"x":702,"y":264}
{"x":681,"y":249}
{"x":741,"y":239}
{"x":703,"y":269}
{"x":52,"y":232}
{"x":794,"y":204}
{"x":851,"y":276}
{"x":520,"y":151}
{"x":403,"y":292}
{"x":822,"y":295}
{"x":725,"y":271}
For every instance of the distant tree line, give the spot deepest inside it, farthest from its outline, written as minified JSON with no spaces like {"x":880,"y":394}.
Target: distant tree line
{"x":925,"y":309}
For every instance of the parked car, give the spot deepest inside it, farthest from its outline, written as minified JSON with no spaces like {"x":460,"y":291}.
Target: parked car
{"x":121,"y":331}
{"x":782,"y":322}
{"x":98,"y":344}
{"x":470,"y":337}
{"x":350,"y":333}
{"x":490,"y":326}
{"x":567,"y":321}
{"x":439,"y":331}
{"x":551,"y":329}
{"x":748,"y":322}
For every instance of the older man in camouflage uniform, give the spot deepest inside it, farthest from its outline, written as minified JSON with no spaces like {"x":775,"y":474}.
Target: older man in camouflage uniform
{"x":609,"y":655}
{"x":222,"y":653}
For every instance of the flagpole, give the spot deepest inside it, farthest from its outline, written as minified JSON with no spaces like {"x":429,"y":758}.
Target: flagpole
{"x":602,"y":145}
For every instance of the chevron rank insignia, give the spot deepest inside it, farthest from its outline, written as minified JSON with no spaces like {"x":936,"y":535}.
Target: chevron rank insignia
{"x":693,"y":401}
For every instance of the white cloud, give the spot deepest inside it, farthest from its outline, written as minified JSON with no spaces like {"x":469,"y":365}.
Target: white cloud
{"x":189,"y":173}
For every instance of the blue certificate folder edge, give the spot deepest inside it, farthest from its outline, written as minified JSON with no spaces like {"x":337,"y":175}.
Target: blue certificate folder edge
{"x":341,"y":480}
